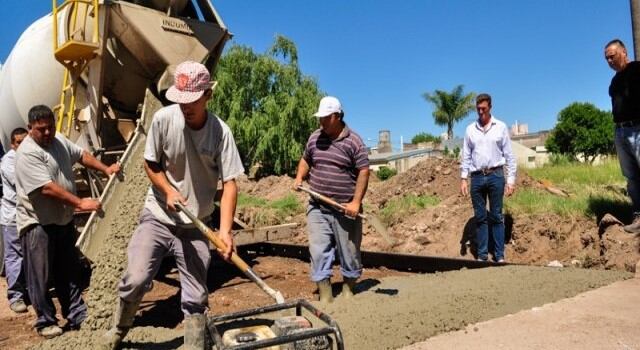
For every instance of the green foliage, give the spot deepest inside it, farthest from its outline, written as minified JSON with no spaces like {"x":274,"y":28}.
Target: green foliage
{"x":270,"y":212}
{"x":456,"y":152}
{"x":425,"y":137}
{"x":558,"y":159}
{"x":385,"y":173}
{"x":268,"y":103}
{"x":407,"y":205}
{"x":593,"y":190}
{"x":582,"y":130}
{"x":450,"y":107}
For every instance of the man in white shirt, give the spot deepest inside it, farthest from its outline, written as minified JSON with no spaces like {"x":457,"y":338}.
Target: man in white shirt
{"x":485,"y":152}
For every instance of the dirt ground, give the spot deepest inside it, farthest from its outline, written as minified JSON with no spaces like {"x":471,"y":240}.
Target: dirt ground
{"x":446,"y":229}
{"x":443,"y":230}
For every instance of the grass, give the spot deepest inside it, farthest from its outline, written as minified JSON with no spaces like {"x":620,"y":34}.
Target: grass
{"x":594,"y":191}
{"x":407,"y":205}
{"x":271,"y":212}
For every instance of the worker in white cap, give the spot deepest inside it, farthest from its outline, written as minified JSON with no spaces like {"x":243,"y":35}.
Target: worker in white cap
{"x":336,"y":162}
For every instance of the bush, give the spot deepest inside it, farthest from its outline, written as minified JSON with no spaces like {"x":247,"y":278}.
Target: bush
{"x":560,"y":159}
{"x":582,"y":130}
{"x":425,"y":137}
{"x":385,"y":173}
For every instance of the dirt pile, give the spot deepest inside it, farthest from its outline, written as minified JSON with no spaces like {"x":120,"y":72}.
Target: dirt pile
{"x":447,"y":229}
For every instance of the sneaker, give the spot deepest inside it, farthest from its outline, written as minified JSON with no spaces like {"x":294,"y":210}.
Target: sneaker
{"x":634,"y":227}
{"x":50,"y":331}
{"x":18,"y":306}
{"x":501,"y":261}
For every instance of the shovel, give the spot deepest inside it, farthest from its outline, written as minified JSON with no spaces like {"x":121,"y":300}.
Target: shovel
{"x":234,"y":257}
{"x":374,"y":221}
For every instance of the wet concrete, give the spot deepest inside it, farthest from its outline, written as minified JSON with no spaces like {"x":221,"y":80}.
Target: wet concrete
{"x":397,"y":311}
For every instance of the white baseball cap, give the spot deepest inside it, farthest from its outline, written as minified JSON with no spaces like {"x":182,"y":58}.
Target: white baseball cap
{"x":328,"y":105}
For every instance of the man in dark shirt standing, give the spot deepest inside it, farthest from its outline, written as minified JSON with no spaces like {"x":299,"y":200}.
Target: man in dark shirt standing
{"x":625,"y":100}
{"x":336,"y":160}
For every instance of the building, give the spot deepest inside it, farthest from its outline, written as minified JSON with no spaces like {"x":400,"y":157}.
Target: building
{"x":401,"y":161}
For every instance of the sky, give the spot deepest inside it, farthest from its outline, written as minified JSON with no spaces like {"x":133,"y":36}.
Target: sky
{"x":534,"y":57}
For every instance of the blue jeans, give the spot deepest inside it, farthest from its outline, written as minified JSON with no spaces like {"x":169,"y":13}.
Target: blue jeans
{"x":489,"y":186}
{"x":329,"y":231}
{"x":627,"y":141}
{"x":16,"y":284}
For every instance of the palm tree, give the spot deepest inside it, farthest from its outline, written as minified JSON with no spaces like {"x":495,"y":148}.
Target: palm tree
{"x":451,"y":107}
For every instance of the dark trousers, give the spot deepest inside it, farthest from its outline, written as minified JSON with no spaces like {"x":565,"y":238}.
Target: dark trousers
{"x":50,"y":255}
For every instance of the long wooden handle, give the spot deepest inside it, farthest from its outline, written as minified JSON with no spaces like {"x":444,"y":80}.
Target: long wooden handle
{"x":326,"y":199}
{"x":235,"y":259}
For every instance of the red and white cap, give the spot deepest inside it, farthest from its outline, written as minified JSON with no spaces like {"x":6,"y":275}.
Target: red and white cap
{"x":190,"y":81}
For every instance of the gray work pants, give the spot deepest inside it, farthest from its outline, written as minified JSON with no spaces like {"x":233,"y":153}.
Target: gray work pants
{"x":150,"y":243}
{"x":49,"y":252}
{"x":16,"y":286}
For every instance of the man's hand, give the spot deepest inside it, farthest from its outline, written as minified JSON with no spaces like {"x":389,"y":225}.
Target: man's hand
{"x":464,"y":187}
{"x":352,"y":209}
{"x":112,"y":169}
{"x":88,"y":204}
{"x":174,"y":197}
{"x":227,"y":238}
{"x":296,"y":184}
{"x":509,"y":189}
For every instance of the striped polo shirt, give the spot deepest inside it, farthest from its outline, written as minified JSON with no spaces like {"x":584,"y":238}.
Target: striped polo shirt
{"x":334,"y":163}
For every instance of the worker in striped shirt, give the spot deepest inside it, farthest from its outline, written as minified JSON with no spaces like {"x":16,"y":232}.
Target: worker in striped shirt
{"x":336,"y":162}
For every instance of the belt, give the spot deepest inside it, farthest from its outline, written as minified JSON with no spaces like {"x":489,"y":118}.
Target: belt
{"x":486,"y":171}
{"x":628,"y":124}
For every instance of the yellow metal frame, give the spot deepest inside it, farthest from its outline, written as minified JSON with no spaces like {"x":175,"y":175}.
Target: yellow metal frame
{"x":74,"y":54}
{"x":73,"y":25}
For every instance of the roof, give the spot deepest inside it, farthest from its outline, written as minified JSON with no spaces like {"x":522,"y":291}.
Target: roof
{"x":387,"y":157}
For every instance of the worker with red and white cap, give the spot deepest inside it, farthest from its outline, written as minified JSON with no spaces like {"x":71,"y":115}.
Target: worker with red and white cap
{"x":188,"y":151}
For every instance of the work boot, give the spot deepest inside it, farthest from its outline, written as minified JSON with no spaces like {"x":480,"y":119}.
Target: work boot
{"x":325,"y":292}
{"x":122,"y":321}
{"x":348,"y":287}
{"x":195,"y":332}
{"x":49,"y":332}
{"x":18,"y":306}
{"x":634,"y":227}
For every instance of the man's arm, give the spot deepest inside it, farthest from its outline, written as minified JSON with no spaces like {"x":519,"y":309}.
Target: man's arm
{"x":159,"y":179}
{"x":362,"y":183}
{"x":57,"y":192}
{"x":301,"y":174}
{"x":91,"y":162}
{"x":227,"y":212}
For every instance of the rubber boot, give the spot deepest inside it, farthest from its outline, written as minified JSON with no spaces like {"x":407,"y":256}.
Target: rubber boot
{"x":348,"y":287}
{"x":123,"y":320}
{"x":194,"y":332}
{"x":325,"y":291}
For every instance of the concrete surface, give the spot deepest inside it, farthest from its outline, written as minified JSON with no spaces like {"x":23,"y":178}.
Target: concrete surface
{"x":605,"y":318}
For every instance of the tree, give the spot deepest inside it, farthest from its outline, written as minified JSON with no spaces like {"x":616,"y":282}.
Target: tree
{"x":582,"y":129}
{"x":425,"y":137}
{"x":268,"y":103}
{"x":450,"y":108}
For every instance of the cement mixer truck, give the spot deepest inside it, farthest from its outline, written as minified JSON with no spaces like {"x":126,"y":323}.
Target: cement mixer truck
{"x":103,"y":66}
